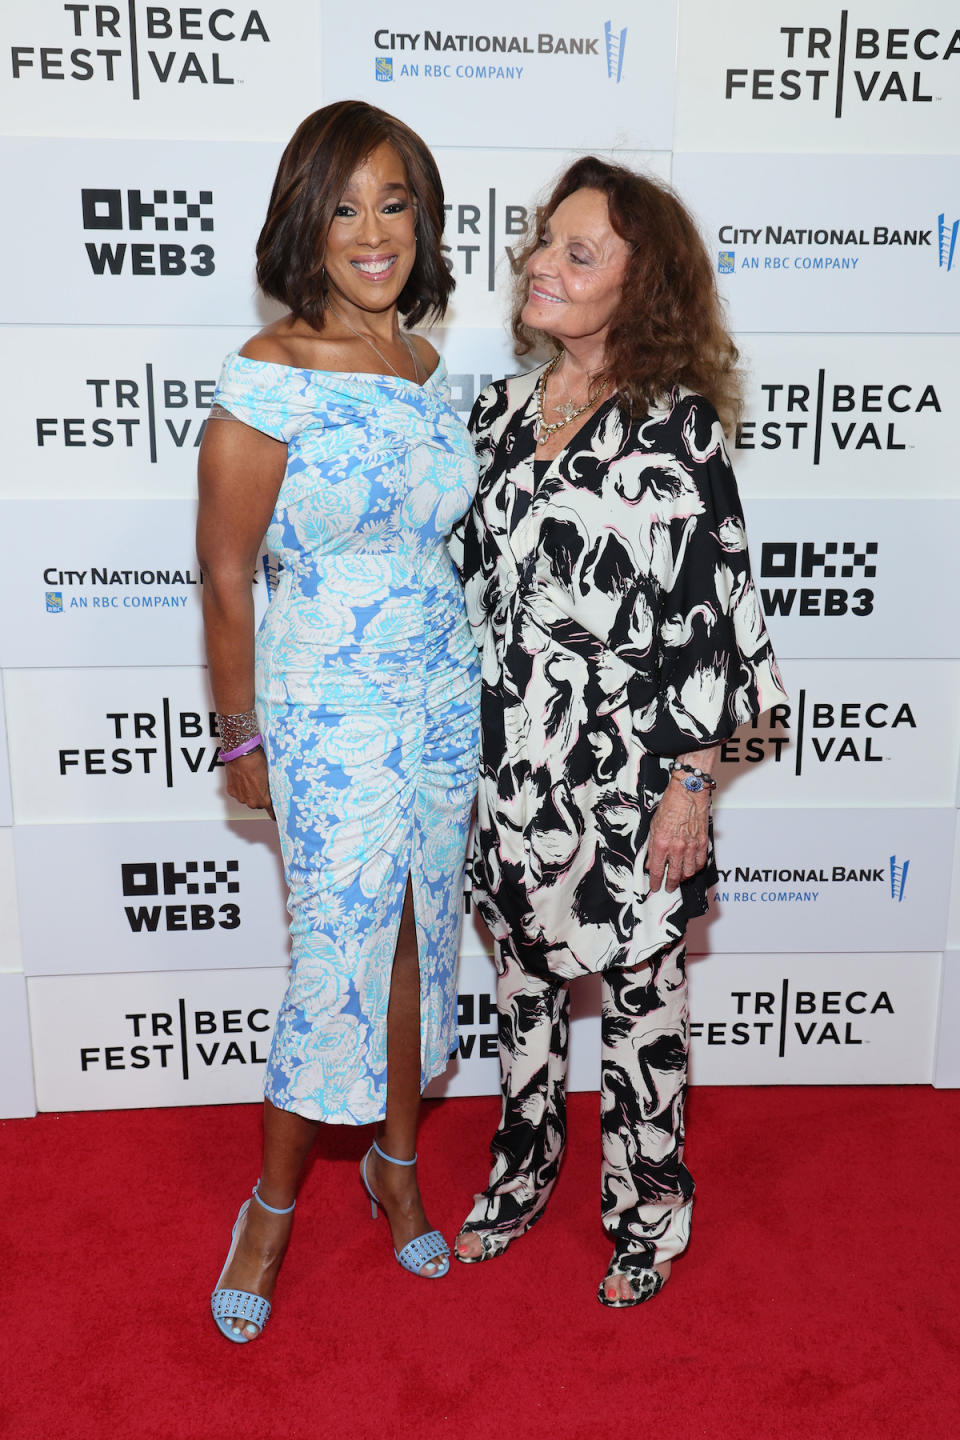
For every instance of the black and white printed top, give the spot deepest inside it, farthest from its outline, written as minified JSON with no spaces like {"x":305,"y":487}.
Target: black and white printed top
{"x":610,"y":595}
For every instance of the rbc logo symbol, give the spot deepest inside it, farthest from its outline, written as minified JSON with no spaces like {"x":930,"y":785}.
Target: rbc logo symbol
{"x":947,"y":240}
{"x":54,"y":602}
{"x":726,"y":262}
{"x":384,"y":67}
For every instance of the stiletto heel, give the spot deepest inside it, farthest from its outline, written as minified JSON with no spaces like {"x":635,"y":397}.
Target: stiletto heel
{"x":427,"y":1249}
{"x":229,"y":1305}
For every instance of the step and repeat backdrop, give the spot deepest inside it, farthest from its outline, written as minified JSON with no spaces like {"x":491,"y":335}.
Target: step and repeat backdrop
{"x":142,"y":919}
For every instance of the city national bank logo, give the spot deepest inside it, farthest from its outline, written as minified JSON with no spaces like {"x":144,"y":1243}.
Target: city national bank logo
{"x":788,"y":1020}
{"x":777,"y":885}
{"x":138,"y":46}
{"x":420,"y":52}
{"x":165,"y":743}
{"x":815,"y":732}
{"x":173,"y":890}
{"x":134,"y":213}
{"x":184,"y":1041}
{"x":813,"y":248}
{"x":114,"y":589}
{"x":834,"y":560}
{"x":946,"y":241}
{"x":819,"y":414}
{"x":614,"y":44}
{"x":149,"y":412}
{"x":898,"y":878}
{"x":842,"y":66}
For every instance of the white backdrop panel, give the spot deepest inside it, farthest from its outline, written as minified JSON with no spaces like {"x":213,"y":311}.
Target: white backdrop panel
{"x":499,"y":73}
{"x":820,"y":243}
{"x":6,"y":806}
{"x":129,"y":232}
{"x":118,"y":1042}
{"x":113,"y":744}
{"x":851,"y":879}
{"x":831,"y":576}
{"x":108,"y":584}
{"x":818,"y":1019}
{"x":953,"y":919}
{"x":947,"y":1069}
{"x":857,"y":732}
{"x":488,"y":196}
{"x":240,"y":72}
{"x":119,"y":415}
{"x":474,"y":357}
{"x":881,"y":76}
{"x":151,"y":897}
{"x":11,"y":957}
{"x":17,"y":1098}
{"x":869,"y":416}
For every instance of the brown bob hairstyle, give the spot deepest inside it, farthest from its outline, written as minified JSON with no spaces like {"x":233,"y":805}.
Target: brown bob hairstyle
{"x":669,"y":329}
{"x":314,"y":171}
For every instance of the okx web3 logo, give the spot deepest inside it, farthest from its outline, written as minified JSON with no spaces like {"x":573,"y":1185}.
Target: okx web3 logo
{"x":137,"y":214}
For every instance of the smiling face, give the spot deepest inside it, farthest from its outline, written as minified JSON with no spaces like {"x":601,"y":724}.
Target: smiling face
{"x":371,"y":244}
{"x":576,"y":273}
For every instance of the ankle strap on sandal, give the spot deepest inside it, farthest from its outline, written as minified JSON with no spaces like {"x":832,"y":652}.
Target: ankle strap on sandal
{"x":272,"y":1208}
{"x":384,"y":1156}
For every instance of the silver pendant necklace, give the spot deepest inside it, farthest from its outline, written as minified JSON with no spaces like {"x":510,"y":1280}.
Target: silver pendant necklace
{"x":413,"y":354}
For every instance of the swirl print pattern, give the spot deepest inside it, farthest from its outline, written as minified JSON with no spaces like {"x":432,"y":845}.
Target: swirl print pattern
{"x":367,"y":690}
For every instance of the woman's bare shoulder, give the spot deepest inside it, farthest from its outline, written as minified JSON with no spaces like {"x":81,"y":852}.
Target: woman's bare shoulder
{"x":285,"y":342}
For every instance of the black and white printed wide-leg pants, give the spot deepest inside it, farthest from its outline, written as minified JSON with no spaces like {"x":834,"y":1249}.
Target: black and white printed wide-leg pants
{"x":646,"y":1191}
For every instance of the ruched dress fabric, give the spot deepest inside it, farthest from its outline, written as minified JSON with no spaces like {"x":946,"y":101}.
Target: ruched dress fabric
{"x":367,"y":691}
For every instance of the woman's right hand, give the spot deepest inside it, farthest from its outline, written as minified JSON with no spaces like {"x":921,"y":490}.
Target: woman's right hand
{"x":248,"y":781}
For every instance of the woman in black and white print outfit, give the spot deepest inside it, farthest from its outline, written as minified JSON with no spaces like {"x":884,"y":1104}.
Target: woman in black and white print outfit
{"x":608,"y":584}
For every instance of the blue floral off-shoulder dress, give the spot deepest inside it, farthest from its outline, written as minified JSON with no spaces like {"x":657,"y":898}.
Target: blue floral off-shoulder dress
{"x":367,"y":696}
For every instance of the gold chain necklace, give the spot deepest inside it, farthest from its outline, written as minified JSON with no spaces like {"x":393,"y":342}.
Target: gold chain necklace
{"x":413,"y":354}
{"x":543,"y":429}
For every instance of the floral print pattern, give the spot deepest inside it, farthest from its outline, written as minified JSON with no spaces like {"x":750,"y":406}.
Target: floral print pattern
{"x":367,"y":687}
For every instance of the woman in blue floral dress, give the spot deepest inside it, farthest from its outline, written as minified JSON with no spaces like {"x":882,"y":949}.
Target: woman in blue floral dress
{"x":362,"y":740}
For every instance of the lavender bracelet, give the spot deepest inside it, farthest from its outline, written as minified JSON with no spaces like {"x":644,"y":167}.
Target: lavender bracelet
{"x":238,"y":750}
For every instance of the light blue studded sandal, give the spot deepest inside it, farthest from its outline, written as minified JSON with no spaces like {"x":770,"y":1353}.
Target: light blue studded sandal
{"x":230,"y":1305}
{"x":427,"y":1249}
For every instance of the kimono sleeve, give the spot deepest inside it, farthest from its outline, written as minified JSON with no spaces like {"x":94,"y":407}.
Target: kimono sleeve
{"x":716,"y":666}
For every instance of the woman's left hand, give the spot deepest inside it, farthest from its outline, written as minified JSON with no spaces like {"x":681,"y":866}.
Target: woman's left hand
{"x":678,"y":836}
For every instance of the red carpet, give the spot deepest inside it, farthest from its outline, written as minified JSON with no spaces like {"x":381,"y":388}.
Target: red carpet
{"x":818,"y":1298}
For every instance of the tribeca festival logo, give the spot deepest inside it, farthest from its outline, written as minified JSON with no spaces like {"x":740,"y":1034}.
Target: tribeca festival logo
{"x":946,"y":241}
{"x":898,"y":878}
{"x":147,"y":45}
{"x":183,"y":1041}
{"x":801,"y":560}
{"x":821,"y":732}
{"x":476,"y":234}
{"x":780,"y":1020}
{"x":814,"y":415}
{"x":165,"y":743}
{"x":171,"y":887}
{"x":165,"y":212}
{"x":152,"y":412}
{"x":843,"y":65}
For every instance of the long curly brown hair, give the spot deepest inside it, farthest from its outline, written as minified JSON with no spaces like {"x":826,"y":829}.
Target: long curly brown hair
{"x":669,"y":329}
